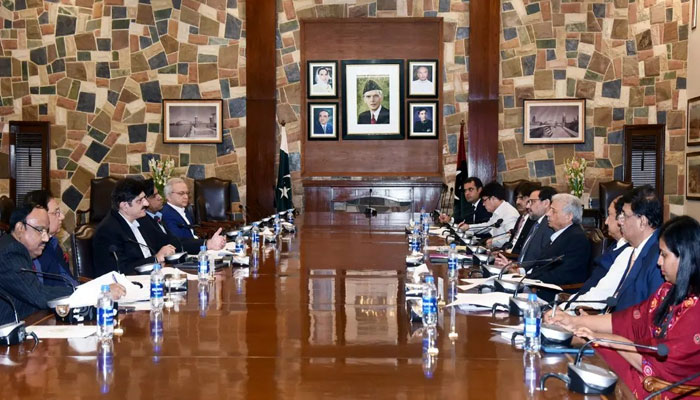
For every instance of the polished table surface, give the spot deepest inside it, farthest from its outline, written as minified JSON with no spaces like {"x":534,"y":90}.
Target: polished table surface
{"x":322,"y":317}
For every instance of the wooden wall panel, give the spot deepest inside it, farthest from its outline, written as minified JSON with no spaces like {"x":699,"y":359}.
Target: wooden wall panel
{"x":484,"y":34}
{"x":261,"y":133}
{"x":400,"y":38}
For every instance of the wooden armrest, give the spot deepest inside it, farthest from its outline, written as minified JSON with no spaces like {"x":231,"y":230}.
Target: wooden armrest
{"x":83,"y":279}
{"x":572,"y":286}
{"x":80,"y":218}
{"x":652,"y":384}
{"x":4,"y":227}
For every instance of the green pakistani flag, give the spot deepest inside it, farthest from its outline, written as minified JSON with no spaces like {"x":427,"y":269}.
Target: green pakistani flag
{"x":283,"y":191}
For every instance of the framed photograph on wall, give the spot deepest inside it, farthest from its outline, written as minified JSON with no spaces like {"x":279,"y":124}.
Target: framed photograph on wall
{"x":692,"y":189}
{"x":322,"y":81}
{"x":373,"y":98}
{"x":694,"y":14}
{"x":322,"y":121}
{"x":423,"y":78}
{"x":192,"y":121}
{"x":423,"y":119}
{"x":552,"y":121}
{"x":694,"y":121}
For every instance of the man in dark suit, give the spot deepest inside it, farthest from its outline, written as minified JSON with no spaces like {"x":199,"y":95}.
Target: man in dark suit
{"x":524,"y":222}
{"x":373,"y":96}
{"x":153,"y":230}
{"x":118,"y":244}
{"x":177,"y":217}
{"x":52,"y":260}
{"x":323,"y":125}
{"x":568,"y":240}
{"x":423,"y":124}
{"x":538,"y":238}
{"x":28,"y":236}
{"x":474,"y":211}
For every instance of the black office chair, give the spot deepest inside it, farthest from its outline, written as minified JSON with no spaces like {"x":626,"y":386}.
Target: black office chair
{"x":100,"y":202}
{"x":607,"y":193}
{"x":6,"y":208}
{"x":81,"y":246}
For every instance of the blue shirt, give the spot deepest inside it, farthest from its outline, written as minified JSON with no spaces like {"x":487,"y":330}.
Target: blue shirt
{"x":53,"y":261}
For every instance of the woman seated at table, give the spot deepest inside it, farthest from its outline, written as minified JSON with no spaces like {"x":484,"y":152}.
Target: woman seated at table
{"x":669,"y":316}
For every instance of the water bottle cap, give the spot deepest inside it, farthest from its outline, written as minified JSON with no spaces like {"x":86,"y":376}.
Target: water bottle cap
{"x":453,"y":245}
{"x":203,"y":247}
{"x":532,"y":297}
{"x":104,"y":288}
{"x":429,"y":279}
{"x":156,"y":267}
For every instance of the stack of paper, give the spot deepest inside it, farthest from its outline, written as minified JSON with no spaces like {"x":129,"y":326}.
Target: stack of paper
{"x":87,"y":293}
{"x":533,"y":282}
{"x":481,"y":299}
{"x":62,"y":331}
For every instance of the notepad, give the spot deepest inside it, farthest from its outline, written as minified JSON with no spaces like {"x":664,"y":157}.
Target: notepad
{"x":62,"y":331}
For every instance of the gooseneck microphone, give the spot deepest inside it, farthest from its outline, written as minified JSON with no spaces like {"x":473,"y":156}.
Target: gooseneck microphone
{"x":13,"y":332}
{"x":675,"y":385}
{"x":661,"y":350}
{"x":50,"y":275}
{"x":153,"y":253}
{"x":496,"y":224}
{"x":609,"y":302}
{"x":113,"y":251}
{"x":484,"y":240}
{"x":539,"y":269}
{"x":543,"y":261}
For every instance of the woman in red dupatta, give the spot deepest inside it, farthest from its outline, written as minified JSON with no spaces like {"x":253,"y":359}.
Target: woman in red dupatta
{"x":670,"y":316}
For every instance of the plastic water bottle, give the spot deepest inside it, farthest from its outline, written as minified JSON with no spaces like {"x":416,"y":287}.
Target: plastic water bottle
{"x":429,"y":302}
{"x":105,"y":365}
{"x":426,"y":224}
{"x":533,"y":318}
{"x":240,"y":244}
{"x":156,"y":331}
{"x":276,"y":225}
{"x":255,"y":237}
{"x":452,"y":261}
{"x":532,"y":367}
{"x":290,"y":215}
{"x":203,"y":261}
{"x":157,"y":284}
{"x":105,"y":314}
{"x":422,"y":214}
{"x":416,"y":241}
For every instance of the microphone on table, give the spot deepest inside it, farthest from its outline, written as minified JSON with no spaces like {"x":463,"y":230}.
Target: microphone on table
{"x":675,"y":385}
{"x":661,"y":350}
{"x":113,"y":249}
{"x":543,"y":267}
{"x":496,"y":224}
{"x":544,"y":261}
{"x":609,"y":302}
{"x":153,"y":253}
{"x":50,"y":275}
{"x":484,"y":240}
{"x":13,"y":333}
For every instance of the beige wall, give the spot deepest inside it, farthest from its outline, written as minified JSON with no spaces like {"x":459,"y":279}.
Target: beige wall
{"x":692,"y":208}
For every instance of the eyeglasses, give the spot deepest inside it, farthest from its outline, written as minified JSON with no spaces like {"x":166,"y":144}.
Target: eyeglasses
{"x":139,"y":199}
{"x":56,"y":213}
{"x":183,"y":193}
{"x":42,"y":231}
{"x":622,"y":216}
{"x":532,"y":201}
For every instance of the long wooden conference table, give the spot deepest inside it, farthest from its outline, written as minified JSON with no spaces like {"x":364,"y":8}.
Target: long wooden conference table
{"x":322,"y":317}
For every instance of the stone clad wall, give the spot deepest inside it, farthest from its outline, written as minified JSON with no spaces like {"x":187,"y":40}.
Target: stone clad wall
{"x":628,"y":58}
{"x":455,"y":78}
{"x":98,"y":71}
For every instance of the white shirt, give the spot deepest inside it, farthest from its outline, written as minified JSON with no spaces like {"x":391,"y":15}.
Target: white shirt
{"x":134,"y":225}
{"x":558,"y":233}
{"x":422,"y":87}
{"x":508,"y":214}
{"x":516,"y":237}
{"x":607,"y":285}
{"x":321,"y":88}
{"x":181,"y":211}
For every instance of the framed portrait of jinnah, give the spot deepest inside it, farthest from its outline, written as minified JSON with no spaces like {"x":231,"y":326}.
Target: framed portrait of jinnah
{"x":373,"y":99}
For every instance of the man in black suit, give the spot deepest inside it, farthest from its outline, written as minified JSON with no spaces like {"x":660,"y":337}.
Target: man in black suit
{"x":324,"y":124}
{"x":373,"y":97}
{"x":28,"y":236}
{"x":568,"y":240}
{"x":524,"y":223}
{"x":538,"y":238}
{"x":154,"y":231}
{"x":118,"y":244}
{"x":474,"y":211}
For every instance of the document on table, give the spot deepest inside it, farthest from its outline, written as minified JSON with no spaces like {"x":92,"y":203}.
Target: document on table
{"x":534,"y":282}
{"x":481,"y":299}
{"x":62,"y":331}
{"x":87,"y":293}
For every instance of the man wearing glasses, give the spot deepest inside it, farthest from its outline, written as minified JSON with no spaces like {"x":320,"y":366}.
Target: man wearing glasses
{"x":178,"y":219}
{"x":118,"y":244}
{"x":29,"y":233}
{"x":53,"y":260}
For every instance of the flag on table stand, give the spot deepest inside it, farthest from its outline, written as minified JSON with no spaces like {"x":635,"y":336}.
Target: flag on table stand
{"x":460,"y":205}
{"x":283,"y":190}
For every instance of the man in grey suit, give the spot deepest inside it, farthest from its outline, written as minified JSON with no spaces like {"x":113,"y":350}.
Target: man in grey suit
{"x":538,"y":238}
{"x":29,"y":233}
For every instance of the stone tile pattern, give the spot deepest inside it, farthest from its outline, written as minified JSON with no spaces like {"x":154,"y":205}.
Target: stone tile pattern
{"x":627,"y":58}
{"x":97,"y":71}
{"x":455,"y":78}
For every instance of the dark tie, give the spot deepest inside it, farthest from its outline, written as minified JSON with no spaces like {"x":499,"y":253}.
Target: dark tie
{"x":527,"y":241}
{"x":372,"y":121}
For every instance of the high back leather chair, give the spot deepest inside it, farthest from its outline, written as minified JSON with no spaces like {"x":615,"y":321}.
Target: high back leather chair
{"x":100,"y":201}
{"x":608,"y":191}
{"x":212,"y":200}
{"x":6,"y":208}
{"x":81,"y":246}
{"x":597,"y":239}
